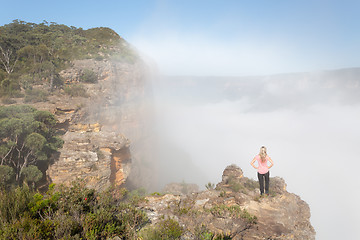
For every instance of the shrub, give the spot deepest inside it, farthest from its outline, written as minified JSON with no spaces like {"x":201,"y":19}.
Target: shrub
{"x":72,"y":212}
{"x":234,"y":211}
{"x":234,"y":184}
{"x":222,"y":236}
{"x":203,"y":233}
{"x":99,"y":58}
{"x":67,"y":227}
{"x":10,"y":87}
{"x":8,"y":100}
{"x":222,"y":193}
{"x":89,"y":76}
{"x":249,"y":217}
{"x":136,"y":196}
{"x":27,"y":81}
{"x":185,"y":207}
{"x":157,"y":194}
{"x":127,"y":56}
{"x":45,"y":229}
{"x":13,"y":204}
{"x":6,"y":175}
{"x":210,"y":186}
{"x":165,"y":229}
{"x":35,"y":95}
{"x":77,"y":90}
{"x":170,"y":229}
{"x":251,"y":184}
{"x":102,"y":223}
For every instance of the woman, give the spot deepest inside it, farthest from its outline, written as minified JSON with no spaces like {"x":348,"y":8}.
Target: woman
{"x":263,"y":169}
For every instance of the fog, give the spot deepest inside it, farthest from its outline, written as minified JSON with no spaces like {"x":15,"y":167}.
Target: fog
{"x":308,"y":121}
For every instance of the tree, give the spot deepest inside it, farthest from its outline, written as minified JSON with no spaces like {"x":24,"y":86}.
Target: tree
{"x":28,"y":137}
{"x":31,"y":175}
{"x":8,"y":58}
{"x":11,"y":40}
{"x":6,"y":175}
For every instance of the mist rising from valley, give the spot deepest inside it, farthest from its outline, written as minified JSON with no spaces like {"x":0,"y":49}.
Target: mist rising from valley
{"x":308,"y":121}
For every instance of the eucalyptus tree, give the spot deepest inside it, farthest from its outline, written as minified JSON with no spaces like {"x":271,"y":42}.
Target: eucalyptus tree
{"x":27,"y":137}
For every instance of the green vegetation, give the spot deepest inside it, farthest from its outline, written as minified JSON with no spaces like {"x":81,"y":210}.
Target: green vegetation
{"x":185,"y":207}
{"x":31,"y":174}
{"x":233,"y":211}
{"x":33,"y":53}
{"x":35,"y":95}
{"x":7,"y":100}
{"x":157,"y":194}
{"x":203,"y":233}
{"x":210,"y":186}
{"x":243,"y":185}
{"x":234,"y":184}
{"x":73,"y":212}
{"x":222,"y":194}
{"x":28,"y":140}
{"x":89,"y":76}
{"x":6,"y":175}
{"x":165,"y":229}
{"x":182,"y":210}
{"x":136,"y":195}
{"x":76,"y":90}
{"x":222,"y":236}
{"x":251,"y":185}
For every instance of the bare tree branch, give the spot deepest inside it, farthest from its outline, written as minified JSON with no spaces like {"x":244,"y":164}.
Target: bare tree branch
{"x":5,"y":59}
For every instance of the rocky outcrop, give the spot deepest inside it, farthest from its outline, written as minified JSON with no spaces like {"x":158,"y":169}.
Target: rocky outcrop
{"x":236,"y":210}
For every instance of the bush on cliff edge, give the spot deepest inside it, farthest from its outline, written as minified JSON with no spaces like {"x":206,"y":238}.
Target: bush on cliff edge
{"x":72,"y":212}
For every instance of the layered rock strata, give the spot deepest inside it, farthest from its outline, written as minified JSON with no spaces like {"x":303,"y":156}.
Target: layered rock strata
{"x":100,"y":159}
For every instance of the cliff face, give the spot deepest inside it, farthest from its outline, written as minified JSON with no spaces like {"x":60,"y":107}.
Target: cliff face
{"x":93,"y":157}
{"x":105,"y":131}
{"x":235,"y":209}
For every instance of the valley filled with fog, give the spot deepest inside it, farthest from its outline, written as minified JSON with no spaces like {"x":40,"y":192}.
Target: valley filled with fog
{"x":308,"y":121}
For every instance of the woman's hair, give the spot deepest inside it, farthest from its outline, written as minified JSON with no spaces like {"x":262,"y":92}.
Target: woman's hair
{"x":263,"y":153}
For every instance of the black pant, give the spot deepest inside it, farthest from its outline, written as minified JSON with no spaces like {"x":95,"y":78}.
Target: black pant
{"x":261,"y":178}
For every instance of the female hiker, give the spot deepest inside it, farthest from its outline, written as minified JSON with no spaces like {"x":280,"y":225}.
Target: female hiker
{"x":263,"y":169}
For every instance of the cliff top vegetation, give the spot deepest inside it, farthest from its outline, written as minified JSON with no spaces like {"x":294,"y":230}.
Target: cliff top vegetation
{"x":33,"y":53}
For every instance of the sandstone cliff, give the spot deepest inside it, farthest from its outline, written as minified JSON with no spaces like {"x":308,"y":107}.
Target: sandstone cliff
{"x":104,"y":132}
{"x":234,"y":209}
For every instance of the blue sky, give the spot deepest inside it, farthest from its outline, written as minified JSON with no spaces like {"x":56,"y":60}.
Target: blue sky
{"x":217,"y":37}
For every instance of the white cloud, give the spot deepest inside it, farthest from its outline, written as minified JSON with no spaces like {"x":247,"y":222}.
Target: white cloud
{"x":314,"y":148}
{"x":196,"y":54}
